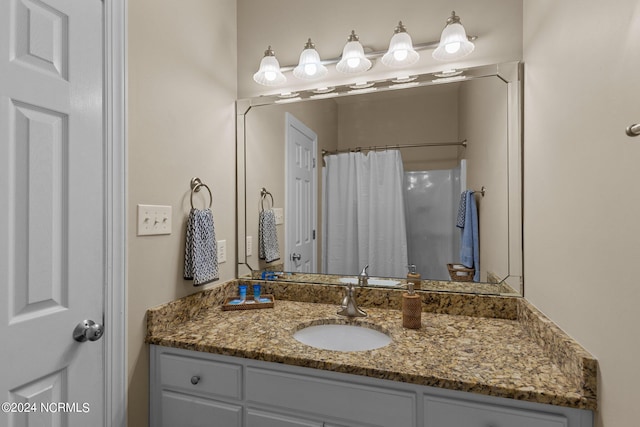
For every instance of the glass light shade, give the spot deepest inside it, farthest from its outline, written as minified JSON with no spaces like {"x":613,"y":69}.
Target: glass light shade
{"x":353,"y":59}
{"x":269,"y":73}
{"x":401,"y":52}
{"x":309,"y":67}
{"x":454,"y":43}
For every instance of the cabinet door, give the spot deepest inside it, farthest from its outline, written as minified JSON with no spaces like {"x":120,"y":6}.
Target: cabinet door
{"x":257,"y":418}
{"x":441,"y":412}
{"x":189,"y":411}
{"x":348,"y":403}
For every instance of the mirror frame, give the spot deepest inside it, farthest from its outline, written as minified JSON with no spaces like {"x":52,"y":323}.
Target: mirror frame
{"x":512,"y":73}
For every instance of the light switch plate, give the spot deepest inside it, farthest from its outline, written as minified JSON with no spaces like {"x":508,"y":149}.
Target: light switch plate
{"x":222,"y":251}
{"x":279,"y":213}
{"x":154,"y":220}
{"x":249,"y":245}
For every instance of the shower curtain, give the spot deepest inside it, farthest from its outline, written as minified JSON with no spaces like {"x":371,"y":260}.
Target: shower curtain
{"x":363,"y":214}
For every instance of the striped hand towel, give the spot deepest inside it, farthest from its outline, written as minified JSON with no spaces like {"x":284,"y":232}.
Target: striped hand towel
{"x":201,"y":252}
{"x":268,"y":249}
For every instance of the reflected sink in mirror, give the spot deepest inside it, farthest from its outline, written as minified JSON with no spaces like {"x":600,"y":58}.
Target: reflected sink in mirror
{"x":373,"y":281}
{"x":342,"y":337}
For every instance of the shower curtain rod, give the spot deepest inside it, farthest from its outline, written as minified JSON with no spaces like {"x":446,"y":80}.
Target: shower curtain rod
{"x":387,"y":147}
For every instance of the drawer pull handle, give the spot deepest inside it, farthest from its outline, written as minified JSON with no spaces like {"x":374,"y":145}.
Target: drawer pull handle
{"x":195,"y":379}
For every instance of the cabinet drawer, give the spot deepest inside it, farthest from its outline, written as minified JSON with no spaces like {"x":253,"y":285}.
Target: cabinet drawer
{"x":257,"y":418}
{"x":357,"y":403}
{"x":210,"y":378}
{"x":442,"y":412}
{"x":188,"y":411}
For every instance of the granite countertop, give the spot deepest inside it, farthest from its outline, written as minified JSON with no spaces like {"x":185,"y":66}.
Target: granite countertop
{"x":507,"y":349}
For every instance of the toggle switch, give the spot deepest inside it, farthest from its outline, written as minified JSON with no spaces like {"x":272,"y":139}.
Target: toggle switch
{"x":154,"y":220}
{"x":222,"y":251}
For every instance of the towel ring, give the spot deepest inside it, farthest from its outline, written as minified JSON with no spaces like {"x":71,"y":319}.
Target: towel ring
{"x":263,"y":195}
{"x":196,"y":183}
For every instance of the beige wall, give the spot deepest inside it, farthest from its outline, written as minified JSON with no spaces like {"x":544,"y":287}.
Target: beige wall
{"x":483,"y":123}
{"x":182,"y":87}
{"x":420,"y":115}
{"x":581,"y":184}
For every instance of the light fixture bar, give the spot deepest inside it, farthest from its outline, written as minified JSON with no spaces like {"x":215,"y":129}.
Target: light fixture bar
{"x":377,"y":54}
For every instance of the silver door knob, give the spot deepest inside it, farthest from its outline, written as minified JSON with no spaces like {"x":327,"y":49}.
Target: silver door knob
{"x":296,"y":257}
{"x":88,"y":330}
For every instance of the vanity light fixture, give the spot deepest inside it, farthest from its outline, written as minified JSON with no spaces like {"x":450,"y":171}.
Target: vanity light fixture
{"x":361,"y":85}
{"x":449,"y":79}
{"x":323,"y":90}
{"x":363,"y":90}
{"x":287,"y":100}
{"x":353,"y":59}
{"x":448,"y":73}
{"x":285,"y":95}
{"x":454,"y":43}
{"x":401,"y":52}
{"x":404,"y":79}
{"x":324,"y":95}
{"x":269,"y":73}
{"x":404,"y":85}
{"x":309,"y":66}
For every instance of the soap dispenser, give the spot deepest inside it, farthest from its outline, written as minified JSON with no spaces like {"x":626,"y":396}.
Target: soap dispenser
{"x":411,"y":309}
{"x":414,"y":277}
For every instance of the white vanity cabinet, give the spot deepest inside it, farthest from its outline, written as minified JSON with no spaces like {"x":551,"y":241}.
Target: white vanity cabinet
{"x":189,"y":388}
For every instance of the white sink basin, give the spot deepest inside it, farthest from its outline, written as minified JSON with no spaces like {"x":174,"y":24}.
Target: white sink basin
{"x":372,"y":281}
{"x":342,"y":337}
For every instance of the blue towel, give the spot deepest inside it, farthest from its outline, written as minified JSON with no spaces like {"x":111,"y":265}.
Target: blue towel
{"x":470,"y":244}
{"x":201,"y":252}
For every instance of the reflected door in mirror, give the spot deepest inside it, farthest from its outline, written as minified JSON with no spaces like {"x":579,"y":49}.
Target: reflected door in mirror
{"x":301,"y":197}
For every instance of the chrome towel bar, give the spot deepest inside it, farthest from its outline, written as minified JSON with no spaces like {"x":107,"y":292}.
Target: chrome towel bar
{"x":263,"y":195}
{"x":482,"y":191}
{"x":196,"y":183}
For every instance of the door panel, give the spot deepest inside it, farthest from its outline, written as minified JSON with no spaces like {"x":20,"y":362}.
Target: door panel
{"x":301,"y":200}
{"x":52,"y":230}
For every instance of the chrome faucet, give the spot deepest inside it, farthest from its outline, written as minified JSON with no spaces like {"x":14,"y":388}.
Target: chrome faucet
{"x":349,"y":307}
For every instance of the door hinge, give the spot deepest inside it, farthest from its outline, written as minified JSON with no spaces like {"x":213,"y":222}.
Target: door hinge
{"x":314,"y":234}
{"x":314,"y":162}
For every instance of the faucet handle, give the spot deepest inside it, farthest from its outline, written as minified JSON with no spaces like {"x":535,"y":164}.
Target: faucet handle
{"x":363,"y":277}
{"x":364,"y":271}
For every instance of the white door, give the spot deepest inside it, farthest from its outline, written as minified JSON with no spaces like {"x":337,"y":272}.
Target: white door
{"x":301,"y":197}
{"x":52,"y":207}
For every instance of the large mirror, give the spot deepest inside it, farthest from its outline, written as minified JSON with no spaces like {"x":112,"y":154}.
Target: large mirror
{"x":417,"y":172}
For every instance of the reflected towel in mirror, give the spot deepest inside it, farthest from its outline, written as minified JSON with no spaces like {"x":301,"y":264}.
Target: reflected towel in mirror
{"x":268,"y":249}
{"x":462,"y":210}
{"x":470,"y":244}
